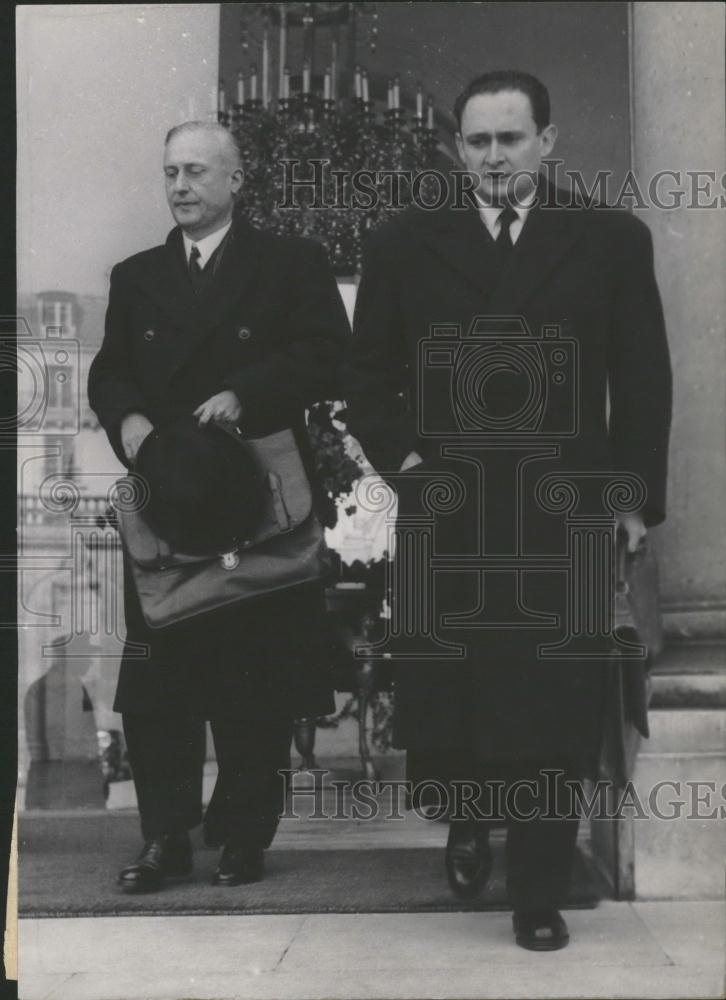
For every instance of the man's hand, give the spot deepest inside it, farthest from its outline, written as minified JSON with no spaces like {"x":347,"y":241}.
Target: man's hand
{"x":134,"y":428}
{"x":413,"y":458}
{"x":635,"y":529}
{"x":224,"y":408}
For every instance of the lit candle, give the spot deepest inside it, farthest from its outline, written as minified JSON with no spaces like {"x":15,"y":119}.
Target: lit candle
{"x":265,"y":68}
{"x":286,"y":83}
{"x":356,"y":82}
{"x":430,"y":113}
{"x":326,"y":85}
{"x":419,"y":102}
{"x":396,"y":92}
{"x":283,"y":51}
{"x":364,"y":78}
{"x":334,"y":68}
{"x":253,"y":83}
{"x":306,"y":77}
{"x":222,"y":98}
{"x":240,"y":87}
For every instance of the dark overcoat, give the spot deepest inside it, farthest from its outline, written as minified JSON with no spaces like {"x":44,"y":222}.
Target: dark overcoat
{"x":273,"y":329}
{"x":583,"y":276}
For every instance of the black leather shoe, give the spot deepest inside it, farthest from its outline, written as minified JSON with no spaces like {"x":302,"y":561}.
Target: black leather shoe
{"x":239,"y":865}
{"x":468,"y":859}
{"x":542,"y":930}
{"x":161,"y":857}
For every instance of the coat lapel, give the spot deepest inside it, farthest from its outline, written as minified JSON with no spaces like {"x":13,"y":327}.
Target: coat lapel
{"x":235,"y":274}
{"x":169,"y":285}
{"x":460,"y":238}
{"x":170,"y":288}
{"x":547,"y":236}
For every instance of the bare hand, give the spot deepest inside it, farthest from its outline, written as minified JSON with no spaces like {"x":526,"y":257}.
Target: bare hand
{"x":413,"y":458}
{"x":634,"y":528}
{"x":135,"y":427}
{"x":224,"y":408}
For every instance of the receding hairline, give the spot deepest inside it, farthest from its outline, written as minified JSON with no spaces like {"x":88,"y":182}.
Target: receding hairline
{"x":227,"y":142}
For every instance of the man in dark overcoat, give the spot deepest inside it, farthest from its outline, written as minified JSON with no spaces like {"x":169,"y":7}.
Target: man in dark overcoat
{"x":236,"y":326}
{"x":460,"y":311}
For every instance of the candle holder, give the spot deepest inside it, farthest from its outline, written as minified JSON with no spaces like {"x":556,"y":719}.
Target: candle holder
{"x":395,"y":117}
{"x":329,"y":141}
{"x":430,"y":138}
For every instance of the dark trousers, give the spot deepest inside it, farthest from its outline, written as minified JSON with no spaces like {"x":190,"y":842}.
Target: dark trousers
{"x":538,"y":811}
{"x":167,"y":761}
{"x":540,"y":817}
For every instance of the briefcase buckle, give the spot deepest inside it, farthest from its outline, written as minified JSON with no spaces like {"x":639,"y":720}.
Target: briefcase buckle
{"x":230,"y":560}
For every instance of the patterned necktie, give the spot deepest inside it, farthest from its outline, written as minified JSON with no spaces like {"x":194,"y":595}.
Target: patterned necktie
{"x":195,"y":271}
{"x":503,"y":241}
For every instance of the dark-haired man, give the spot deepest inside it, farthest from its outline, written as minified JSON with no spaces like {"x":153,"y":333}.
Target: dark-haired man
{"x":505,"y":713}
{"x":234,"y":326}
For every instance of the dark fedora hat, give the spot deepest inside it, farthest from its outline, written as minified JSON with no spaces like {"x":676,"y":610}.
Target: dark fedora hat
{"x":205,"y":488}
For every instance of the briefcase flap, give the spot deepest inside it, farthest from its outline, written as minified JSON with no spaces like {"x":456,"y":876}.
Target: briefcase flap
{"x":287,"y":505}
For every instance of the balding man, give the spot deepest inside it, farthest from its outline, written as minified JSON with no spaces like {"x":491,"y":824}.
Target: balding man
{"x":232,"y":325}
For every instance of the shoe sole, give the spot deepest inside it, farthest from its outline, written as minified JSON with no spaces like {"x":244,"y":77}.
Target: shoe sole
{"x":131,"y":889}
{"x":543,"y":945}
{"x":238,"y":881}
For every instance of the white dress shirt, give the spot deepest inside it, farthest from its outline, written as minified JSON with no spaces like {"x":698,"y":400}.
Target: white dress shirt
{"x":490,"y":217}
{"x":206,"y":246}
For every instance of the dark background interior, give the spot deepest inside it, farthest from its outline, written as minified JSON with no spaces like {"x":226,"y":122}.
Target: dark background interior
{"x":579,"y":50}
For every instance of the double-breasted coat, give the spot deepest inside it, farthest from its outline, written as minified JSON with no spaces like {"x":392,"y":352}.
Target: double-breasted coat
{"x":273,"y":329}
{"x":582,"y":281}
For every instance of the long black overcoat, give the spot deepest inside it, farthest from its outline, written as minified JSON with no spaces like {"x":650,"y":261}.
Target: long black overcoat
{"x":274,"y":330}
{"x":583,"y":276}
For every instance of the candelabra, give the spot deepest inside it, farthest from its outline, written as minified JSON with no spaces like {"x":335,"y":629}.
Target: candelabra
{"x":324,"y":158}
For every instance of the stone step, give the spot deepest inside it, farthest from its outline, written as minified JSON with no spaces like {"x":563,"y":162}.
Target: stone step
{"x":690,"y":675}
{"x":680,"y":774}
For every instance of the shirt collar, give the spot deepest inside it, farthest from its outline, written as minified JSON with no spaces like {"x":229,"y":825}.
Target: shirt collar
{"x":207,"y":245}
{"x":490,"y":213}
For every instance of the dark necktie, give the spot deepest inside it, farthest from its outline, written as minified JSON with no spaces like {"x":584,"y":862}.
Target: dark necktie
{"x":195,"y":271}
{"x":503,"y":241}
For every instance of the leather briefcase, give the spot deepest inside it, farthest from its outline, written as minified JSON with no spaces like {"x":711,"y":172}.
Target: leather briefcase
{"x":287,"y":548}
{"x":637,"y":622}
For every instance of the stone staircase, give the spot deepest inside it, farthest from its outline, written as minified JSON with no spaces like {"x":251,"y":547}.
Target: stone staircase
{"x":678,"y":851}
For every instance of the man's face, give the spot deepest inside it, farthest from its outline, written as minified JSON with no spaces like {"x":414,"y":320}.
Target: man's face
{"x":499,"y":141}
{"x":201,"y":182}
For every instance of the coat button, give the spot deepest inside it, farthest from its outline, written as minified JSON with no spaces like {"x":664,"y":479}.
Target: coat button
{"x":244,"y":333}
{"x":149,"y":335}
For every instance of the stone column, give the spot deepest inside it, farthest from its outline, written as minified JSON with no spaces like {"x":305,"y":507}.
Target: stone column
{"x":678,"y":125}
